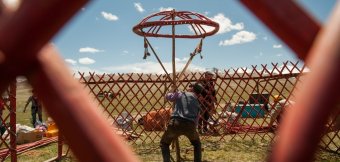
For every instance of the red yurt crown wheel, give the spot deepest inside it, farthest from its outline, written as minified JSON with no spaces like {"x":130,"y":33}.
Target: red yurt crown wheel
{"x":199,"y":26}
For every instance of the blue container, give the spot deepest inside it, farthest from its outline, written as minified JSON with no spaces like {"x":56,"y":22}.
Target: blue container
{"x":250,"y":110}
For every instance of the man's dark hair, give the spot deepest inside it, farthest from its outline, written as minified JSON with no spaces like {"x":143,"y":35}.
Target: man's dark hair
{"x":198,"y":88}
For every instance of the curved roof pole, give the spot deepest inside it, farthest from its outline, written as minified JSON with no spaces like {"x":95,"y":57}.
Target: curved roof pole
{"x":197,"y":50}
{"x":158,"y":59}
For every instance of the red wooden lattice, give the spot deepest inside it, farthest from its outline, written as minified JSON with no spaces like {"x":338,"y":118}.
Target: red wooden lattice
{"x":8,"y":122}
{"x":142,"y":93}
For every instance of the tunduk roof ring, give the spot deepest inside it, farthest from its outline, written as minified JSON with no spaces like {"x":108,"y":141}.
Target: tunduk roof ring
{"x":199,"y":26}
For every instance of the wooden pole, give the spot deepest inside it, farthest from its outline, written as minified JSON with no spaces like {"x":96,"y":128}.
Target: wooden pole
{"x":173,"y":52}
{"x":176,"y":142}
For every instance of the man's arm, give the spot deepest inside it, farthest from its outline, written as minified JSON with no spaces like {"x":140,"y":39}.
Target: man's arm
{"x":172,"y":96}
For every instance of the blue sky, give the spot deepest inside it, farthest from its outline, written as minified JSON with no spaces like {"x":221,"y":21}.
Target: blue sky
{"x":100,"y":38}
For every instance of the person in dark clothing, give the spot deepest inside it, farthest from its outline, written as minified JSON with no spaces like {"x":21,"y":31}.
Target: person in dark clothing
{"x":36,"y":108}
{"x":183,"y":121}
{"x":207,"y":102}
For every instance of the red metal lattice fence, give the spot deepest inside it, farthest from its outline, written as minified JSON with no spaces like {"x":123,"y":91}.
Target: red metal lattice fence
{"x":8,"y":122}
{"x":125,"y":98}
{"x":247,"y":91}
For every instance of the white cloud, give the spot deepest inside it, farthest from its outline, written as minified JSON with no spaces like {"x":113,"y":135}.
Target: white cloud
{"x":265,"y":38}
{"x":153,"y":67}
{"x":89,"y":50}
{"x":183,"y":60}
{"x":206,"y":13}
{"x":86,"y":61}
{"x":125,"y":52}
{"x":71,"y":61}
{"x":109,"y":16}
{"x":277,"y":46}
{"x":225,"y":25}
{"x":239,"y":38}
{"x":165,"y":9}
{"x":139,"y":7}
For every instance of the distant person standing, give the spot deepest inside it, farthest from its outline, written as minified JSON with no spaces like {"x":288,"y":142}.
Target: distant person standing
{"x":36,"y":108}
{"x":207,"y":102}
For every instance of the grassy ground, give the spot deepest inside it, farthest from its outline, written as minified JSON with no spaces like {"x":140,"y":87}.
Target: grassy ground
{"x":214,"y":149}
{"x":217,"y":150}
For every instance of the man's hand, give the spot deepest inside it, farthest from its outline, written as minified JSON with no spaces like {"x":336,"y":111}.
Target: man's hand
{"x":212,"y":108}
{"x":173,"y":88}
{"x":213,"y":111}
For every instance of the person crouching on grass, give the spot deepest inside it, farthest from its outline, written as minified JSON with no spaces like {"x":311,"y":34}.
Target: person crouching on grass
{"x":183,"y":120}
